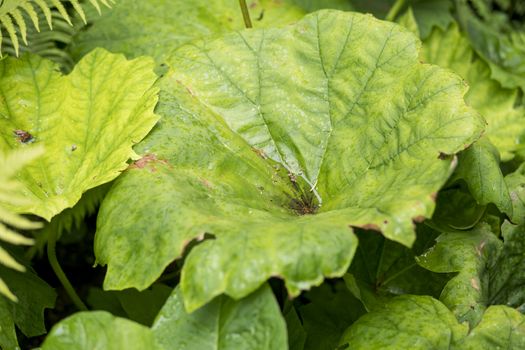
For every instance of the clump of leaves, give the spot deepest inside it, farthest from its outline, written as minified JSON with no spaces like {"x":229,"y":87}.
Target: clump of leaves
{"x":317,"y":182}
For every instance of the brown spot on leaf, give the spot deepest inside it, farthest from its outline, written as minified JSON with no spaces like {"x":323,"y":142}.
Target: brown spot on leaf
{"x":206,"y":183}
{"x":419,"y":219}
{"x":23,"y":136}
{"x":260,"y":153}
{"x":145,"y":160}
{"x":434,"y":196}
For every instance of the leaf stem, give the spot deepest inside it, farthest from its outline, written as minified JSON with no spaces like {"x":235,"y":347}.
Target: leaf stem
{"x":245,"y":14}
{"x":394,"y":10}
{"x":52,"y":257}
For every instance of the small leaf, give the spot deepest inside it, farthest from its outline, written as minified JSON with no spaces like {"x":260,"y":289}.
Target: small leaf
{"x":34,"y":295}
{"x":327,"y":311}
{"x":456,"y":210}
{"x":383,"y":269}
{"x":421,"y":322}
{"x":8,"y":339}
{"x":252,"y":323}
{"x":406,"y":322}
{"x":99,"y":330}
{"x":143,"y":307}
{"x":489,"y":272}
{"x":507,"y":276}
{"x":479,"y":167}
{"x":516,"y":184}
{"x":468,"y":253}
{"x":296,"y":333}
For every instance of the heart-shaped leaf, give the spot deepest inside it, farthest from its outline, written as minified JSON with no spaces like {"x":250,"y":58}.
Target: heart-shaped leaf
{"x":275,"y":142}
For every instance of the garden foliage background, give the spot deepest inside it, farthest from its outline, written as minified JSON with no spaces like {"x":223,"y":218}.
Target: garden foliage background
{"x":343,"y":175}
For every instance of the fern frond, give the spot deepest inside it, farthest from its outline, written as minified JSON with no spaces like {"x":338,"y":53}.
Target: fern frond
{"x":10,"y":195}
{"x":14,"y":15}
{"x":48,"y":43}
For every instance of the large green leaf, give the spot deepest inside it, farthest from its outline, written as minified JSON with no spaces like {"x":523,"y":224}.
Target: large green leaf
{"x":99,"y":330}
{"x":421,"y":322}
{"x":87,"y":122}
{"x":506,"y":122}
{"x":382,"y":269}
{"x":276,"y":141}
{"x":157,"y":27}
{"x":253,"y":323}
{"x":489,"y":272}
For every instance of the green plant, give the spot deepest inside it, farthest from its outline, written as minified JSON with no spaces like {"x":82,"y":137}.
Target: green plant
{"x":15,"y":15}
{"x":270,"y":178}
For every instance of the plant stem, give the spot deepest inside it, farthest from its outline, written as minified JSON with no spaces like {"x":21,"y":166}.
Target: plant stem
{"x":394,"y":10}
{"x":245,"y":14}
{"x":52,"y":257}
